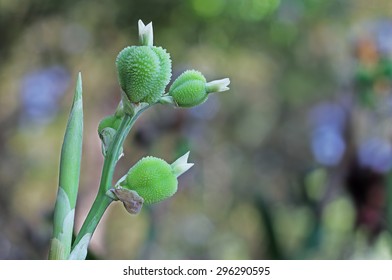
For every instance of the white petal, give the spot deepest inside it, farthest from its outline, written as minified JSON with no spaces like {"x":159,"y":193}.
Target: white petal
{"x":218,"y":85}
{"x":181,"y":165}
{"x":146,"y":36}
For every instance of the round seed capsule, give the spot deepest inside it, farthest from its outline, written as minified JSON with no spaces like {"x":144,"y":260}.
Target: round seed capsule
{"x":143,"y":72}
{"x":189,"y":89}
{"x":152,"y":178}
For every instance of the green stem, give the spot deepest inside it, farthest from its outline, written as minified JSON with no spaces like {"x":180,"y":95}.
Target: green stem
{"x":102,"y":201}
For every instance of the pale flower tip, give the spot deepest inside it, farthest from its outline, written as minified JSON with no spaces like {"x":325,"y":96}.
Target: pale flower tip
{"x":145,"y":33}
{"x":140,"y":25}
{"x":218,"y":85}
{"x":181,"y":160}
{"x":149,"y":26}
{"x":181,"y":165}
{"x":180,"y":169}
{"x":185,"y":157}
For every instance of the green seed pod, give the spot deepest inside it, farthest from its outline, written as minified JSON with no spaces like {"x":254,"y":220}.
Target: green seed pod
{"x":152,"y":178}
{"x":143,"y":72}
{"x":109,"y":121}
{"x":189,"y":89}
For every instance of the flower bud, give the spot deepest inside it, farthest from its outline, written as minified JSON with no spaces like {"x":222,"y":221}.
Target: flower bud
{"x":107,"y":129}
{"x":154,"y":179}
{"x":109,"y":121}
{"x":191,"y":88}
{"x":112,"y":121}
{"x":143,"y":72}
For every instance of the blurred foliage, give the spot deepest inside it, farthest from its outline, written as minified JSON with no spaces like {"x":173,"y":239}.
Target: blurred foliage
{"x":293,"y":162}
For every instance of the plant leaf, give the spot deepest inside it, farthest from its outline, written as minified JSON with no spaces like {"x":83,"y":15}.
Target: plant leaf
{"x":71,"y":153}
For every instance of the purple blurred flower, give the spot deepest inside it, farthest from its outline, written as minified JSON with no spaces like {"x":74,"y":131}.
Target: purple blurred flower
{"x":376,"y":153}
{"x":41,"y":91}
{"x":327,"y":122}
{"x":328,"y":146}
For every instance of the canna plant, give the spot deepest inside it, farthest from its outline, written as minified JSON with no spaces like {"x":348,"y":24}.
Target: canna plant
{"x":144,"y":71}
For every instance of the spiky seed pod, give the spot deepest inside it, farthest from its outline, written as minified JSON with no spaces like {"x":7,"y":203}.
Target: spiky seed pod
{"x":152,"y":178}
{"x":143,"y":72}
{"x":189,"y":89}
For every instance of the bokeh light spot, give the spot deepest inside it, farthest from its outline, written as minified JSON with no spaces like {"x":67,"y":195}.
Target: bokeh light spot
{"x":255,"y":10}
{"x":208,"y":8}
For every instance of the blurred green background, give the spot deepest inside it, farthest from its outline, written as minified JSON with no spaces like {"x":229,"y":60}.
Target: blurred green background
{"x":293,"y":162}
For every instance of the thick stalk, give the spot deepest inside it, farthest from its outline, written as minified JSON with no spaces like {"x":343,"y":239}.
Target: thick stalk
{"x":102,"y":201}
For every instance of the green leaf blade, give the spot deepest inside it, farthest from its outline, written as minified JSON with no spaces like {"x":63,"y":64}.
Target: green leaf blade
{"x":70,"y":161}
{"x":71,"y":151}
